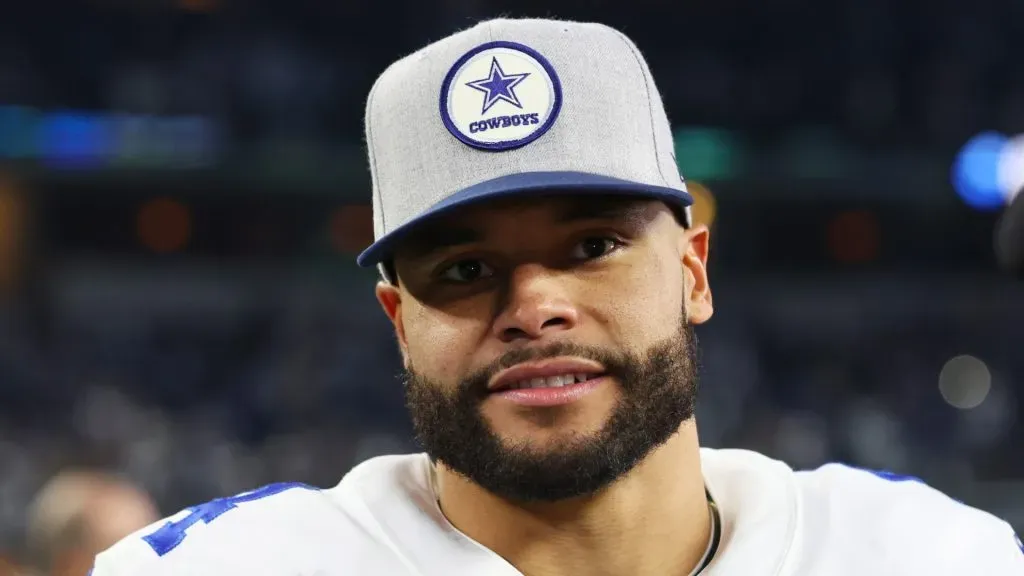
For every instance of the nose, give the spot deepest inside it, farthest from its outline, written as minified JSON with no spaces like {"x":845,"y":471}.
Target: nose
{"x":535,"y":305}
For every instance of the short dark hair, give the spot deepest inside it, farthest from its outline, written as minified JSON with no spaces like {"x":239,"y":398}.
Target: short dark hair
{"x":388,"y":272}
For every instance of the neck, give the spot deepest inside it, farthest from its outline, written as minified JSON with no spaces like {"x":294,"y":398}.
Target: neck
{"x":653,"y":521}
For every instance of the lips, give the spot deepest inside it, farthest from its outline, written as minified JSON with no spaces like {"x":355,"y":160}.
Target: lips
{"x":551,"y":373}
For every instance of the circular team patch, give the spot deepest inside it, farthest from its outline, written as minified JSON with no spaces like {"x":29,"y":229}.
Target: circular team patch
{"x":500,"y":96}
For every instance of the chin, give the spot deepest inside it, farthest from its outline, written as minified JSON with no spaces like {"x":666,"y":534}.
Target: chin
{"x":565,"y":423}
{"x":546,"y":440}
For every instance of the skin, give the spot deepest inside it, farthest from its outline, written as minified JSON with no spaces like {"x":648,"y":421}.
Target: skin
{"x":117,"y":511}
{"x":108,"y":510}
{"x":531,"y":289}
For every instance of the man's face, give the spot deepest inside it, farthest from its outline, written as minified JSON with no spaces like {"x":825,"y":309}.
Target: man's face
{"x":548,"y":342}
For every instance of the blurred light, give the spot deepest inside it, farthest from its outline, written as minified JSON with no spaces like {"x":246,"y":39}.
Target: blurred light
{"x":168,"y":142}
{"x":854,"y":237}
{"x":704,"y":206}
{"x":17,"y":132}
{"x":1010,"y":172}
{"x":351,"y":228}
{"x":992,"y":420}
{"x":976,"y":170}
{"x":802,"y":438}
{"x":965,"y":382}
{"x":707,"y":153}
{"x":813,"y":153}
{"x":874,"y":434}
{"x":164,"y":225}
{"x":74,"y":140}
{"x":102,"y":140}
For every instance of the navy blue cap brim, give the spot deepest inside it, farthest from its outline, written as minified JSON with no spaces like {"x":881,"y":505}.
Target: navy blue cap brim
{"x":514,"y":185}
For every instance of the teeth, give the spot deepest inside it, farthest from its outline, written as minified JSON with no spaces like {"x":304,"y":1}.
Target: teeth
{"x":551,"y":381}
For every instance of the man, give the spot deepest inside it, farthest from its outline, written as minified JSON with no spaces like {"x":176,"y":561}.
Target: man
{"x":543,"y":278}
{"x":79,"y":513}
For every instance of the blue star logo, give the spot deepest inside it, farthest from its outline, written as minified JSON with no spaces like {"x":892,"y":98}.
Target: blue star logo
{"x":498,"y":86}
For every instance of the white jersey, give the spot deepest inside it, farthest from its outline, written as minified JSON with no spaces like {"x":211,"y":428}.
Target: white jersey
{"x":383,"y":519}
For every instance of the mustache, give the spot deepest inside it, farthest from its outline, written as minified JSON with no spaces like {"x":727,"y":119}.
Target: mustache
{"x":476,"y":383}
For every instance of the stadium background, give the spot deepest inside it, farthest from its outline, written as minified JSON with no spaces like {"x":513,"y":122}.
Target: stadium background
{"x":184,"y":190}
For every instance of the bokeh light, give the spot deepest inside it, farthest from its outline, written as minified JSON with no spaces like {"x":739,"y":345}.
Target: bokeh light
{"x":976,"y":175}
{"x":854,"y":237}
{"x":1010,"y":170}
{"x":164,"y":225}
{"x":965,"y":382}
{"x":704,"y":207}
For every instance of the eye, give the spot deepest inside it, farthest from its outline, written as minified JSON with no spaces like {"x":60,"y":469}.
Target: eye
{"x":595,"y":247}
{"x":467,"y":271}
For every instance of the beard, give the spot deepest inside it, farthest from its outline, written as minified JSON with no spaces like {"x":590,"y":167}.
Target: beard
{"x":658,"y":393}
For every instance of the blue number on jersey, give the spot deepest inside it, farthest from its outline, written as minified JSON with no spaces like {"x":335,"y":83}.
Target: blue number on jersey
{"x":892,"y":476}
{"x":171,"y":534}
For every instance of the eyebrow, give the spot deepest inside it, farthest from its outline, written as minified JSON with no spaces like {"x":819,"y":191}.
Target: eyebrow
{"x":438,"y":237}
{"x":602,"y":209}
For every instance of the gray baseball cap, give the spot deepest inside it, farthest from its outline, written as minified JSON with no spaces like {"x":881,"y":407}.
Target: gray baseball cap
{"x":514,"y":107}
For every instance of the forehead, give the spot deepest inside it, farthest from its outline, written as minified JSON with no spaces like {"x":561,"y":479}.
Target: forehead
{"x":476,"y":222}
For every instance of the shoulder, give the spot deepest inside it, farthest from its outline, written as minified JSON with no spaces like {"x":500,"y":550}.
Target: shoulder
{"x":838,"y":519}
{"x":286,"y":528}
{"x":223,"y":535}
{"x":905,"y":519}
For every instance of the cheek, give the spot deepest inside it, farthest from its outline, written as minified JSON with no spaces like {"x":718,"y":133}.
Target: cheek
{"x":644,"y":301}
{"x":437,"y":343}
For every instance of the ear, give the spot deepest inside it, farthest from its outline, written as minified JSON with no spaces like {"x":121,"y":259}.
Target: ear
{"x":695,"y":245}
{"x":390,"y":298}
